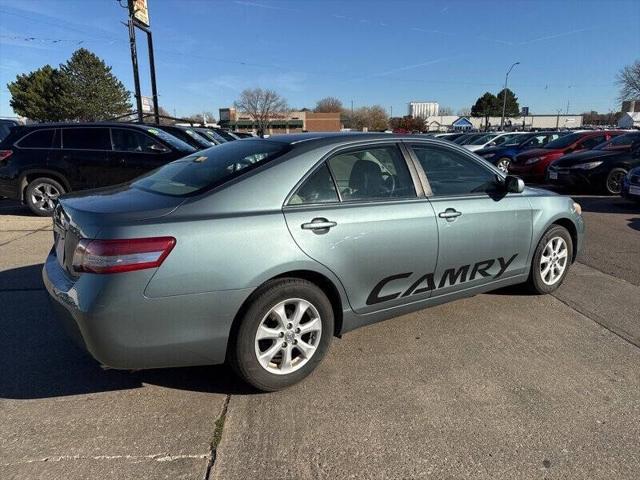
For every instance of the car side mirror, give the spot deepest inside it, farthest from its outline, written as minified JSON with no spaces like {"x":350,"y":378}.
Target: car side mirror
{"x":513,"y":184}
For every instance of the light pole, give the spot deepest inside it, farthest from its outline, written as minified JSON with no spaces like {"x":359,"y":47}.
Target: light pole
{"x":504,"y":96}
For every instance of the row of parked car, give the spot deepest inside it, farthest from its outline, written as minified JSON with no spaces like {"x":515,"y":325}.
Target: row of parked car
{"x":40,"y":162}
{"x":594,"y":160}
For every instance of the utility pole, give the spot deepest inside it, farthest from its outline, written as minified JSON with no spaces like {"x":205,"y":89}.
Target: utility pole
{"x":134,"y":62}
{"x":558,"y":119}
{"x":391,"y":111}
{"x":504,"y":96}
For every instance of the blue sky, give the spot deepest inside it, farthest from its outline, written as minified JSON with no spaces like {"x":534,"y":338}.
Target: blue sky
{"x":368,"y":52}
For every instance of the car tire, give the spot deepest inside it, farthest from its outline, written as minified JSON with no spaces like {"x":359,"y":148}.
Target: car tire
{"x":613,"y":182}
{"x":503,"y":164}
{"x":41,"y":195}
{"x":551,"y":261}
{"x":277,"y":359}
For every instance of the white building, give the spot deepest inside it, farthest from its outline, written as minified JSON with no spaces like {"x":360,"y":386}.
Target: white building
{"x":443,"y":123}
{"x":423,"y":109}
{"x":629,"y":120}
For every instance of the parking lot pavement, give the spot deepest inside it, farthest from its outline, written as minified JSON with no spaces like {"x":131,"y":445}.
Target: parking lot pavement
{"x":63,"y":417}
{"x":502,"y":385}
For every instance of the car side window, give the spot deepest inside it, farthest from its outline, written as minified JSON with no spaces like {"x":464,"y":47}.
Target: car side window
{"x":452,"y":173}
{"x":372,"y":173}
{"x":86,"y":139}
{"x":37,"y":139}
{"x":318,"y":188}
{"x":125,"y":140}
{"x":589,"y":143}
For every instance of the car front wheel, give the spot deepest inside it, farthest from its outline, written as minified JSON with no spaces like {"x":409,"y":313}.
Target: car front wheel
{"x":551,"y":260}
{"x":283,"y":335}
{"x":42,"y":194}
{"x":613,"y":184}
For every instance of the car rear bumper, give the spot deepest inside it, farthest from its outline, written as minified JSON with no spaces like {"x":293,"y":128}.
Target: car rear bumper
{"x":121,"y":328}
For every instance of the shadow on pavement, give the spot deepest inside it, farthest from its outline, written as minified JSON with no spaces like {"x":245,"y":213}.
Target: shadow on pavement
{"x":596,"y":204}
{"x":38,"y":360}
{"x":13,"y":207}
{"x":634,"y":223}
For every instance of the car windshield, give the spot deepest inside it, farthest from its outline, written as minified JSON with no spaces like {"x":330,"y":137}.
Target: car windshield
{"x":465,"y":139}
{"x":229,"y":137}
{"x":564,"y":142}
{"x":203,"y":142}
{"x":210,"y":134}
{"x":621,"y":142}
{"x":171,"y":140}
{"x":481,"y":140}
{"x":210,"y":168}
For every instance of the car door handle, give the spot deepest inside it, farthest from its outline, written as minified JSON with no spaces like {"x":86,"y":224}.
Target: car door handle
{"x":318,"y":224}
{"x":450,"y":214}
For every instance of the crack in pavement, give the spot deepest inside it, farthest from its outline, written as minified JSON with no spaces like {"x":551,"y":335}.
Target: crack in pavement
{"x":217,"y":438}
{"x":158,"y":457}
{"x":42,"y":229}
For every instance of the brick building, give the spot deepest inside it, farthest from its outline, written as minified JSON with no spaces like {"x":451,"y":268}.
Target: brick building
{"x":292,"y":122}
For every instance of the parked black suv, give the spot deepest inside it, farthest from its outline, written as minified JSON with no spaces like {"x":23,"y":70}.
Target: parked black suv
{"x":38,"y":163}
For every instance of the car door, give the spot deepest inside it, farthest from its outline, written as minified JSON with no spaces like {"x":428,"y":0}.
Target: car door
{"x":84,"y":157}
{"x":590,"y":142}
{"x":362,"y":214}
{"x":137,"y":153}
{"x":484,"y":233}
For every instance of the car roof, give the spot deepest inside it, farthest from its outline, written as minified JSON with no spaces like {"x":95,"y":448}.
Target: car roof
{"x":86,"y":124}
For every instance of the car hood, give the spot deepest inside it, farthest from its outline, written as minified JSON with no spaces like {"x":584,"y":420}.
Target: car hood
{"x":120,"y":205}
{"x":538,"y":152}
{"x":582,"y":157}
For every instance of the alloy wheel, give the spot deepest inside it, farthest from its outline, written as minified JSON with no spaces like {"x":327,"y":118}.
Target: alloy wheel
{"x":614,"y":181}
{"x":553,"y":261}
{"x":44,"y":196}
{"x":288,"y":336}
{"x":503,"y":164}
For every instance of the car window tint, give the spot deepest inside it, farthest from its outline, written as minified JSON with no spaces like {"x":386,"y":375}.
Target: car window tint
{"x":452,"y":173}
{"x":372,"y":173}
{"x":37,"y":139}
{"x":318,"y":188}
{"x":86,"y":138}
{"x":125,"y":140}
{"x":592,"y":142}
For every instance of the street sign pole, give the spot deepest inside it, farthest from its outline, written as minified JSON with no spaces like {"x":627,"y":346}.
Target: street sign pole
{"x":134,"y":62}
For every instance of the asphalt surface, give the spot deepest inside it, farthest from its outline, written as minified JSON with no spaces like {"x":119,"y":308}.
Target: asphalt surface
{"x":502,"y":385}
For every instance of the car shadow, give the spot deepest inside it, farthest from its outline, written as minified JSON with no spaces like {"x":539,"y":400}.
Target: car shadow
{"x":605,"y":204}
{"x":14,"y":208}
{"x":634,"y":223}
{"x":39,"y":360}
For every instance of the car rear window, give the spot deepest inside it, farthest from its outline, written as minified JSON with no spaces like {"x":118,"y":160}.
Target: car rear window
{"x":37,"y":139}
{"x":210,"y":168}
{"x":620,"y":142}
{"x":86,"y":139}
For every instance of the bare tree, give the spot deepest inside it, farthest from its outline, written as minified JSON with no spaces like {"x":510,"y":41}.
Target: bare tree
{"x":373,"y":118}
{"x":629,"y":81}
{"x":328,"y":105}
{"x":445,"y":111}
{"x":201,"y":118}
{"x":464,"y":112}
{"x":262,"y":106}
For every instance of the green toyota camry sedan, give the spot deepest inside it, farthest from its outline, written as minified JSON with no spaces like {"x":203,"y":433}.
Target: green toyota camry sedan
{"x":258,"y":252}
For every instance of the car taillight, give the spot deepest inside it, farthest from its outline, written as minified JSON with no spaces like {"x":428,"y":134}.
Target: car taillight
{"x":4,"y":154}
{"x":126,"y":255}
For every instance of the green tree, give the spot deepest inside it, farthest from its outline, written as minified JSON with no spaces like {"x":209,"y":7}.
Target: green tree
{"x":512,"y":109}
{"x":96,"y":94}
{"x":42,"y":95}
{"x":485,"y":106}
{"x":374,"y":119}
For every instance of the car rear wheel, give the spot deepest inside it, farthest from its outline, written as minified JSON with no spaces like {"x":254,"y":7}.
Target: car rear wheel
{"x":551,"y":260}
{"x":283,"y":335}
{"x":613,"y":184}
{"x":41,"y":195}
{"x":503,"y":164}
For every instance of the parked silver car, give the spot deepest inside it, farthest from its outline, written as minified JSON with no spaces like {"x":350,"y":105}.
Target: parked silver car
{"x":258,"y":252}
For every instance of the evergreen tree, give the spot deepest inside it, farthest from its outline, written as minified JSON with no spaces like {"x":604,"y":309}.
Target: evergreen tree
{"x":512,"y":109}
{"x":96,"y":94}
{"x":42,"y":95}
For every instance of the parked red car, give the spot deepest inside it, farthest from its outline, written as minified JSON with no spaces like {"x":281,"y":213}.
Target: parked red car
{"x":532,"y":165}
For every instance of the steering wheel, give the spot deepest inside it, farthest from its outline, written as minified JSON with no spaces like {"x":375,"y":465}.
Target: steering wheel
{"x":388,"y":177}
